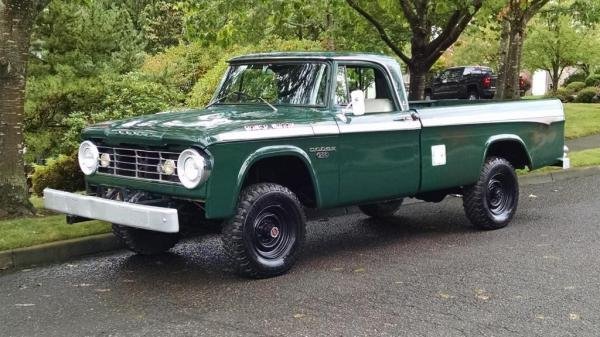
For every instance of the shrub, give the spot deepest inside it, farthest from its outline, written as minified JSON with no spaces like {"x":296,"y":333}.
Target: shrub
{"x":60,"y":173}
{"x":181,"y":66}
{"x":575,"y":86}
{"x":59,"y":107}
{"x":593,"y":80}
{"x":586,"y":95}
{"x":564,"y":94}
{"x":575,"y":77}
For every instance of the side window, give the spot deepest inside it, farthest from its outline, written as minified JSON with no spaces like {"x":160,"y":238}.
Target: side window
{"x":341,"y":88}
{"x":455,"y":75}
{"x":371,"y":80}
{"x":444,"y":76}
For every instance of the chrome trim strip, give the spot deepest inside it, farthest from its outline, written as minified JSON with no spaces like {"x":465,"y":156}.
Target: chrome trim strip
{"x":543,"y":112}
{"x":374,"y":127}
{"x":325,"y":129}
{"x":460,"y":120}
{"x":160,"y":219}
{"x":265,"y":134}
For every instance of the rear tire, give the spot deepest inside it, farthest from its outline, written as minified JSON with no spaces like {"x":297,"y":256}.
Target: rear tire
{"x":265,"y":235}
{"x":473,"y":95}
{"x":143,"y":241}
{"x":380,"y":210}
{"x":492,"y":202}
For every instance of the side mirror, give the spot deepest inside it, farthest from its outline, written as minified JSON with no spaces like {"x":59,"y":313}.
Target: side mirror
{"x":357,"y":100}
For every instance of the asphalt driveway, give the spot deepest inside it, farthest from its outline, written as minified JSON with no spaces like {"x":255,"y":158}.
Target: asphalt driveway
{"x":424,"y":273}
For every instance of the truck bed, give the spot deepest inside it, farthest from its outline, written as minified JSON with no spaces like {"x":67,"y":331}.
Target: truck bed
{"x":467,"y":128}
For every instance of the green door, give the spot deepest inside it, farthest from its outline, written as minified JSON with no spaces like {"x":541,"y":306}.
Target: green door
{"x":379,"y":151}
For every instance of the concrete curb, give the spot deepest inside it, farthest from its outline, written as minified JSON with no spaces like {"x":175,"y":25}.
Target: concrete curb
{"x":61,"y":251}
{"x":58,"y":251}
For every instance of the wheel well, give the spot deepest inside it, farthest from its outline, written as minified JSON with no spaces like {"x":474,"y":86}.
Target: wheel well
{"x":511,"y":150}
{"x":288,"y":171}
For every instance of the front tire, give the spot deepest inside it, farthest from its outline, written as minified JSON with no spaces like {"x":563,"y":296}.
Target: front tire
{"x":143,"y":241}
{"x":265,"y":235}
{"x":381,"y":210}
{"x":492,"y":202}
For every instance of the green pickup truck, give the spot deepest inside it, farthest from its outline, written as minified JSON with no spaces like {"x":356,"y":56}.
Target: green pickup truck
{"x":293,"y":133}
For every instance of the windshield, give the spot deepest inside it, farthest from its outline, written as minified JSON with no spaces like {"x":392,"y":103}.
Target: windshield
{"x":276,"y":83}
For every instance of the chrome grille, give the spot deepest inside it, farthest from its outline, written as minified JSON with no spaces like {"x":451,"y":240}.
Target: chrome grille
{"x":137,"y":163}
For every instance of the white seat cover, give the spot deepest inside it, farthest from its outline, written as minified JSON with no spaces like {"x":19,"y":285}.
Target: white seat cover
{"x":378,"y":105}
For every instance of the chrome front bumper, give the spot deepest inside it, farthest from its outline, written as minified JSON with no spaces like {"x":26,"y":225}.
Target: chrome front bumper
{"x":160,"y":219}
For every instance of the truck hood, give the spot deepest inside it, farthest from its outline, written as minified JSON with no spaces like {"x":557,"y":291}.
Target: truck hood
{"x":200,"y":126}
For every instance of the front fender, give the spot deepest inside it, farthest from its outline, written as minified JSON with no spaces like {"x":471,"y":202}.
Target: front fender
{"x":276,"y":151}
{"x":222,"y":202}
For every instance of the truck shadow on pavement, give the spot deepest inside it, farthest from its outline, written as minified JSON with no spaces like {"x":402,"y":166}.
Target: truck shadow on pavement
{"x":329,"y":241}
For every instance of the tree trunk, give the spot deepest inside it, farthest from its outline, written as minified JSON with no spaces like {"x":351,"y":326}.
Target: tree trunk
{"x":511,"y":84}
{"x":418,"y":75}
{"x":503,"y":58}
{"x":514,"y":20}
{"x":16,"y":18}
{"x":555,"y":76}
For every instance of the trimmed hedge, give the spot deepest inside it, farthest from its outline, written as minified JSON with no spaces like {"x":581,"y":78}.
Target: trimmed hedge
{"x":565,"y":95}
{"x":576,"y":86}
{"x":586,"y":95}
{"x":61,"y":173}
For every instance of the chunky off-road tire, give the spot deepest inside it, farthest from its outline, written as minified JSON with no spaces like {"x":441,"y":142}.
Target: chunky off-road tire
{"x":265,"y":235}
{"x":143,"y":241}
{"x":492,"y":202}
{"x":379,"y":210}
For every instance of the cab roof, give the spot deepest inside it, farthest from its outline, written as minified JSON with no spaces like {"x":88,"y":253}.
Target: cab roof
{"x":312,"y":56}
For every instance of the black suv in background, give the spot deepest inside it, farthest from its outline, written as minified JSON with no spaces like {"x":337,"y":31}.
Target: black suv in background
{"x":473,"y":82}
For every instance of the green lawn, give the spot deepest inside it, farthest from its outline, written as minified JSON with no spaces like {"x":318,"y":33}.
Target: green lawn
{"x":583,"y":158}
{"x":25,"y":232}
{"x":582,"y":120}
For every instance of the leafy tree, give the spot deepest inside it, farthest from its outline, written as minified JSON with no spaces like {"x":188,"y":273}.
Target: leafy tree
{"x":161,"y":23}
{"x":85,"y":38}
{"x":555,"y":42}
{"x":478,"y":46}
{"x":16,"y":20}
{"x":514,"y":18}
{"x":430,"y":26}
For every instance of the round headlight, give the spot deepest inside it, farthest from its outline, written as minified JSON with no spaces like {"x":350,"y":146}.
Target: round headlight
{"x":88,"y":157}
{"x":192,"y":168}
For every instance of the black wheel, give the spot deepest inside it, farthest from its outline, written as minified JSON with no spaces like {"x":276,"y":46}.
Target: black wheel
{"x":492,"y":202}
{"x":143,"y":241}
{"x":265,"y":235}
{"x":384,"y":209}
{"x":473,"y":95}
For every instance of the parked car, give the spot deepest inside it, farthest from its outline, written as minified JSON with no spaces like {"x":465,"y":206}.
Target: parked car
{"x":288,"y":133}
{"x":471,"y":82}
